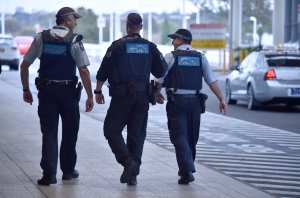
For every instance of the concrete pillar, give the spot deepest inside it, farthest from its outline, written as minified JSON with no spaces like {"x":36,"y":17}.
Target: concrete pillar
{"x":142,"y":30}
{"x":184,"y":18}
{"x":298,"y":24}
{"x":2,"y":22}
{"x":278,"y":21}
{"x":150,"y":26}
{"x":111,"y":27}
{"x":235,"y":22}
{"x":294,"y":20}
{"x":287,"y":21}
{"x":117,"y":26}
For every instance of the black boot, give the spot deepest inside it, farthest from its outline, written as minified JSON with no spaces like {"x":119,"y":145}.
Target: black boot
{"x":47,"y":179}
{"x":132,"y":181}
{"x":72,"y":175}
{"x":186,"y":178}
{"x":130,"y":169}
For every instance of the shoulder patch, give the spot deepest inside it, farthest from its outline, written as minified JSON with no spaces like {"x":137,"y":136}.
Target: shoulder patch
{"x":108,"y":54}
{"x":81,"y":46}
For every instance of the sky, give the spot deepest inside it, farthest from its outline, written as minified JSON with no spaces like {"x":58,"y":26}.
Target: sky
{"x":99,"y":6}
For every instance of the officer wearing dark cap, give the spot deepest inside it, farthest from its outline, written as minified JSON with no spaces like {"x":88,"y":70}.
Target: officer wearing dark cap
{"x":127,"y":66}
{"x":183,"y":82}
{"x":60,"y":51}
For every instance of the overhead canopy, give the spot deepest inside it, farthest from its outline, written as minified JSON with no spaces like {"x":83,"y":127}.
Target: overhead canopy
{"x":103,"y":6}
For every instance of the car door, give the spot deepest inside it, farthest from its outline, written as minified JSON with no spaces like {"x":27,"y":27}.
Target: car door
{"x":246,"y":72}
{"x":236,"y":87}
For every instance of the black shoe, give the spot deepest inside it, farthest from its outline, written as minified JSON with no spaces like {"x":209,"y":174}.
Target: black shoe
{"x":46,"y":180}
{"x":69,"y":176}
{"x":130,"y":169}
{"x":132,"y":181}
{"x":186,"y":178}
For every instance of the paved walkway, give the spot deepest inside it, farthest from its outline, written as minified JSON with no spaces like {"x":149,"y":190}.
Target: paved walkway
{"x":20,"y":153}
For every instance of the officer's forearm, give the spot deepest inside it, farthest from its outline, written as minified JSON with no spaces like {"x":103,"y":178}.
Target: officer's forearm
{"x":86,"y":80}
{"x":99,"y":85}
{"x":24,"y":74}
{"x":215,"y":88}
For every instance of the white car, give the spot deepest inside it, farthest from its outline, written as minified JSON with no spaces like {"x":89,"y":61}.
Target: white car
{"x":9,"y":52}
{"x":266,"y":76}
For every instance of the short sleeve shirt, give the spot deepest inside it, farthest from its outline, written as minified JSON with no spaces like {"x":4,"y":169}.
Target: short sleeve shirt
{"x":208,"y":75}
{"x":77,"y":50}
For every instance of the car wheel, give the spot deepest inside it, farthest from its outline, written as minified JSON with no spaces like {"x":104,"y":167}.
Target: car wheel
{"x":228,"y":98}
{"x":251,"y":99}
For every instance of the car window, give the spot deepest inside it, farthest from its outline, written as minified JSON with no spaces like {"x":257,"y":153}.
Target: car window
{"x":283,"y":61}
{"x":261,"y":61}
{"x":244,"y":63}
{"x":252,"y":60}
{"x":6,"y":41}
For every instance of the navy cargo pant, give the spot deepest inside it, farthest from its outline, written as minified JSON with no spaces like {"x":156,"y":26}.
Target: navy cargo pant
{"x":184,"y":124}
{"x":133,"y":112}
{"x":55,"y":100}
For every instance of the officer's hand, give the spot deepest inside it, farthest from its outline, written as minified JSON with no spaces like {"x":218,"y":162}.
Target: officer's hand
{"x":27,"y":97}
{"x":159,"y":98}
{"x":99,"y":98}
{"x":89,"y":104}
{"x":223,"y":107}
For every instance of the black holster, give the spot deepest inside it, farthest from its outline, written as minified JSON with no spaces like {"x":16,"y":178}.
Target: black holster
{"x":78,"y":91}
{"x":170,"y":96}
{"x":37,"y":83}
{"x":202,"y":98}
{"x":152,"y":89}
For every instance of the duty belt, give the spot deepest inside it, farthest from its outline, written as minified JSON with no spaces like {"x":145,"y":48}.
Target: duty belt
{"x":186,"y":95}
{"x":56,"y":82}
{"x":139,"y":87}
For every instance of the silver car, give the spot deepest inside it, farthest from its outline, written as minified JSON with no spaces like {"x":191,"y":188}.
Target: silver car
{"x":9,"y":52}
{"x":266,"y":76}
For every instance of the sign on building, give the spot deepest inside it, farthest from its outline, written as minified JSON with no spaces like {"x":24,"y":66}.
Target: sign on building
{"x":206,"y":36}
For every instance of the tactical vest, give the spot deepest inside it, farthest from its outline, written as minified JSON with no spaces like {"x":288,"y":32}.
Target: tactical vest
{"x":133,"y":61}
{"x":57,"y":62}
{"x":186,"y":72}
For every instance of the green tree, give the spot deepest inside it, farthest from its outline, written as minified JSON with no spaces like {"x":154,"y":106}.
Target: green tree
{"x":87,"y":25}
{"x":12,"y":26}
{"x":262,"y":11}
{"x":167,"y":27}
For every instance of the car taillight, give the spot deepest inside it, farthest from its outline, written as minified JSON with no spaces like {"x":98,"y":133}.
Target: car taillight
{"x":270,"y":74}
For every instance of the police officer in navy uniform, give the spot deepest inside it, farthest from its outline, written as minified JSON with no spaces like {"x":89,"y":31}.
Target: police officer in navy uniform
{"x":127,"y":66}
{"x":183,"y":82}
{"x":60,"y":51}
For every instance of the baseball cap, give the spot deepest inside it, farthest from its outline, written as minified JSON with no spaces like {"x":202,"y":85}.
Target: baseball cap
{"x":66,"y":11}
{"x":182,"y":33}
{"x":134,"y":19}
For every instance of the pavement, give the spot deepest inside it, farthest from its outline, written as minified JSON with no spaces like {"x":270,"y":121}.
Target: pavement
{"x":20,"y":153}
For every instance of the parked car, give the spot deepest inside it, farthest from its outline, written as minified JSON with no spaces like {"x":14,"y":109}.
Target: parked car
{"x":24,"y":43}
{"x":9,"y":53}
{"x":270,"y":75}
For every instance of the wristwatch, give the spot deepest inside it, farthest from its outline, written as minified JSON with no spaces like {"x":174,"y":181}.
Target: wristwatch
{"x":97,"y":91}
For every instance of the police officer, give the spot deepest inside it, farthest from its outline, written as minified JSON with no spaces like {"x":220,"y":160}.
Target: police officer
{"x":183,"y":82}
{"x":60,"y":51}
{"x":127,"y":66}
